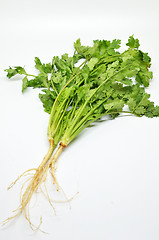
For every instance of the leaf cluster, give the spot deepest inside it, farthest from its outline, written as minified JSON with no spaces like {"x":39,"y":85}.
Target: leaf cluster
{"x":105,"y":83}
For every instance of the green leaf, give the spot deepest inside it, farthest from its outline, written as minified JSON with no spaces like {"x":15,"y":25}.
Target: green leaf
{"x":146,"y":58}
{"x":85,"y":51}
{"x":24,"y":83}
{"x":10,"y":72}
{"x":151,"y":110}
{"x":92,"y":63}
{"x":47,"y":99}
{"x":38,"y":64}
{"x":66,"y":93}
{"x":155,"y":111}
{"x":126,"y":81}
{"x":131,"y":104}
{"x":43,"y":68}
{"x":36,"y":83}
{"x":133,"y":43}
{"x":48,"y":68}
{"x":145,"y":100}
{"x":85,"y":72}
{"x":111,"y":51}
{"x":13,"y":71}
{"x":114,"y":105}
{"x":143,"y":77}
{"x":140,"y":110}
{"x":82,"y":92}
{"x":44,"y":80}
{"x":115,"y":44}
{"x":20,"y":70}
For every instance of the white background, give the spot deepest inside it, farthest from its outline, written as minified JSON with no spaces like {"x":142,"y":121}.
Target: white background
{"x":115,"y":165}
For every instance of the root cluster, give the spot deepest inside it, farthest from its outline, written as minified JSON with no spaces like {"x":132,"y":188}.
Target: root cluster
{"x":35,"y":180}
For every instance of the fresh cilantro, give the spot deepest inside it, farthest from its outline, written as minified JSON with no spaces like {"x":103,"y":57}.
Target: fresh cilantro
{"x":105,"y":84}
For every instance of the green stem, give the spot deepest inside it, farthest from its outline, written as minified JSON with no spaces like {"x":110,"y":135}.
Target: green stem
{"x":58,"y":135}
{"x":57,"y":115}
{"x":115,"y":55}
{"x":73,"y":110}
{"x":70,"y":127}
{"x":53,"y":86}
{"x":53,"y":129}
{"x":30,"y":75}
{"x":88,"y":114}
{"x":54,"y":105}
{"x":69,"y":81}
{"x":93,"y":120}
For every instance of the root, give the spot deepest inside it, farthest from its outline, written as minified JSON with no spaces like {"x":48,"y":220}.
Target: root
{"x":52,"y":171}
{"x":68,"y":200}
{"x":24,"y":174}
{"x":33,"y":227}
{"x":53,"y":161}
{"x":48,"y":197}
{"x":35,"y":181}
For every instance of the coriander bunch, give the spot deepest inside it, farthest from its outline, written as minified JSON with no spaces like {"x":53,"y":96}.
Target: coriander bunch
{"x":106,"y":83}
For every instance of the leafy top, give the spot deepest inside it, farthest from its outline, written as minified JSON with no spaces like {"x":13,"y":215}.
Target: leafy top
{"x":103,"y":84}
